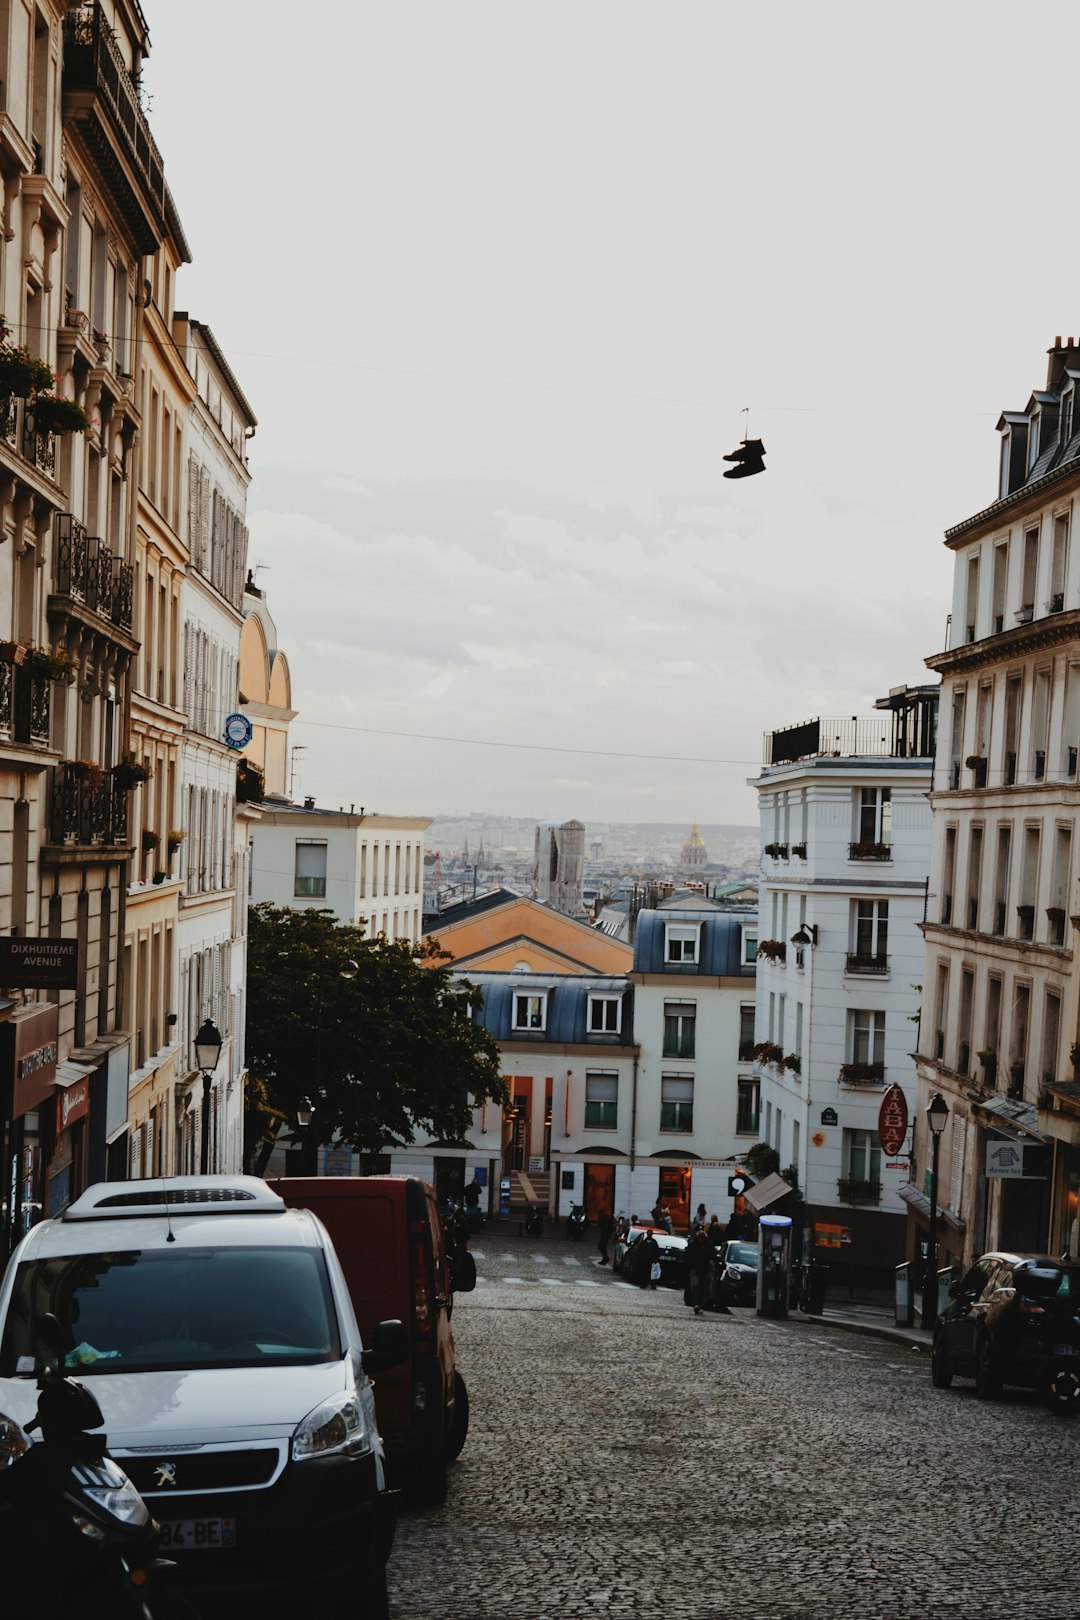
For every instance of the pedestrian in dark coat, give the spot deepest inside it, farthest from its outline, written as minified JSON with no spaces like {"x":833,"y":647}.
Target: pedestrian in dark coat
{"x":605,"y":1226}
{"x":648,"y":1256}
{"x":699,"y":1258}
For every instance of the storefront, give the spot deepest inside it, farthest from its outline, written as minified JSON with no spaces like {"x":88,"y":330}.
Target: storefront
{"x":28,"y":1051}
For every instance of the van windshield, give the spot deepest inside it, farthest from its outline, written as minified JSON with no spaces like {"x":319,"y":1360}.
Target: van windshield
{"x":136,"y":1310}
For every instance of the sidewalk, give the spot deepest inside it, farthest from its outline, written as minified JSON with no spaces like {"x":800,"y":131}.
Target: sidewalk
{"x":871,"y":1313}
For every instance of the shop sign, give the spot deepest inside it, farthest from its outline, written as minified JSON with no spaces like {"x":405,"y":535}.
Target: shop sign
{"x":72,"y":1102}
{"x":39,"y":964}
{"x":28,"y":1042}
{"x":892,"y":1122}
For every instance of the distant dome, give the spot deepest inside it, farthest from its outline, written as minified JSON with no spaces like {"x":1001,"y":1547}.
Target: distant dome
{"x":694,"y":852}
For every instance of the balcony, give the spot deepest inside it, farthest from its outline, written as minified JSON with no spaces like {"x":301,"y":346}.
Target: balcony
{"x":39,"y":449}
{"x":778,"y":852}
{"x":864,"y":851}
{"x":88,"y":573}
{"x":88,"y":806}
{"x":103,"y":101}
{"x":1026,"y":925}
{"x":25,"y":704}
{"x":798,"y":852}
{"x":862,"y":1074}
{"x":851,"y":1190}
{"x":862,"y":962}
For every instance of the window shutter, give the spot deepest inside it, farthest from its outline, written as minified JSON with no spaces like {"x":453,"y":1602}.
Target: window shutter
{"x":135,"y":1156}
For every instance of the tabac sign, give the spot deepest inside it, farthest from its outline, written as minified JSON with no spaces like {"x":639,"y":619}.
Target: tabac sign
{"x":39,"y":964}
{"x":892,"y":1122}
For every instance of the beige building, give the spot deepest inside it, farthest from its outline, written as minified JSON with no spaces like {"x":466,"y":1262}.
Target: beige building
{"x":265,"y":693}
{"x":999,"y":1014}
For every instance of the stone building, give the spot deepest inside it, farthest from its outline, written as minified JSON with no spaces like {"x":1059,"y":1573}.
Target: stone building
{"x":999,"y":1015}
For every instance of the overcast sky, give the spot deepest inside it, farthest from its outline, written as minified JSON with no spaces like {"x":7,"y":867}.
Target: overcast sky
{"x":498,"y":279}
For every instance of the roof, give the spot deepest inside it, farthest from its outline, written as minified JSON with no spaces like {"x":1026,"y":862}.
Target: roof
{"x":226,"y":370}
{"x":720,"y":951}
{"x":567,"y":1009}
{"x":515,"y":929}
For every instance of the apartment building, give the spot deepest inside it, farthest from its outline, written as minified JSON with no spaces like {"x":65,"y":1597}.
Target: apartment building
{"x":845,"y":831}
{"x":999,"y":1017}
{"x":95,"y":400}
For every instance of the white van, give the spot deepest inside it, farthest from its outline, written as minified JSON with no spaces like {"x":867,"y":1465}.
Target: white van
{"x":216,"y":1331}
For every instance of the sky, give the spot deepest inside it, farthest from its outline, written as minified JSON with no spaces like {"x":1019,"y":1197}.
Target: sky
{"x":500,"y":279}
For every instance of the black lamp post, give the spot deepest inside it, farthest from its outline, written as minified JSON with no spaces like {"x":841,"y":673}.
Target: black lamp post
{"x":937,"y":1115}
{"x":305,"y":1113}
{"x":208,"y":1044}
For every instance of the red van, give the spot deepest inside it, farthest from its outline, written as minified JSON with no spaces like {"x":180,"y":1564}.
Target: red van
{"x":389,"y":1239}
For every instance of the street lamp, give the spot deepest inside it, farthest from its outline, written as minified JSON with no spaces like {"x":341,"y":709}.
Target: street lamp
{"x":208,"y":1045}
{"x":937,"y":1115}
{"x":305,"y":1113}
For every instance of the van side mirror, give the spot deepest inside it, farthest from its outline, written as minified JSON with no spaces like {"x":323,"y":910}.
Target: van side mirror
{"x":389,"y":1348}
{"x":464,"y":1280}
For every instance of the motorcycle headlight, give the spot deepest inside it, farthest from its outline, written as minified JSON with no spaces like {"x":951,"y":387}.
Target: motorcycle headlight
{"x":338,"y":1427}
{"x":13,"y":1441}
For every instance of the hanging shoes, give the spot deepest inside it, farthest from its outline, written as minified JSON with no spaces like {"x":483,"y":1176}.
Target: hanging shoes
{"x":749,"y":458}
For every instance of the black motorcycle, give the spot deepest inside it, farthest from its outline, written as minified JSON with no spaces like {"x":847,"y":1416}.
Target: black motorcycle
{"x":534,"y":1221}
{"x":68,"y":1512}
{"x":576,"y":1222}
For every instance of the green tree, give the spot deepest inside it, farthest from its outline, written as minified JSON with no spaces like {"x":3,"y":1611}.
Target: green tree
{"x":382,"y":1054}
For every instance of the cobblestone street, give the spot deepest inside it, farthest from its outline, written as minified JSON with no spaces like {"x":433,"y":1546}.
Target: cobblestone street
{"x":628,"y":1458}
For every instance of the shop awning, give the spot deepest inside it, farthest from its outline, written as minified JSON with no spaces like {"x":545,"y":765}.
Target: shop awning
{"x":69,"y":1072}
{"x":918,"y":1201}
{"x":766,"y":1192}
{"x":1011,"y":1114}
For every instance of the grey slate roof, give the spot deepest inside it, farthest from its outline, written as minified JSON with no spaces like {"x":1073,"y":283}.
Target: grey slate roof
{"x":721,"y":943}
{"x":567,"y":1006}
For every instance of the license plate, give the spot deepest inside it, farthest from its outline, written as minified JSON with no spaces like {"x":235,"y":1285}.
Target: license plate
{"x":1065,"y":1350}
{"x":189,"y":1534}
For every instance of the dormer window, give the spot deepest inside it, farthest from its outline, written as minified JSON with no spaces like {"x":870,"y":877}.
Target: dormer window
{"x":1066,"y":416}
{"x":1033,"y":441}
{"x":682,"y":943}
{"x":530,"y":1011}
{"x":605,"y":1015}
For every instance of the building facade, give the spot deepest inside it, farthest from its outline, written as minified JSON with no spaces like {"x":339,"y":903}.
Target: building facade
{"x":999,"y":1030}
{"x":845,"y":829}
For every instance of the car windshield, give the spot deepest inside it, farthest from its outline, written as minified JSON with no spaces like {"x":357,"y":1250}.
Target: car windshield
{"x":1044,"y":1282}
{"x":136,"y":1310}
{"x":743,"y":1254}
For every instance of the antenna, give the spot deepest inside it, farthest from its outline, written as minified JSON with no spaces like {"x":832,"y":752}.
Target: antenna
{"x":297,"y":748}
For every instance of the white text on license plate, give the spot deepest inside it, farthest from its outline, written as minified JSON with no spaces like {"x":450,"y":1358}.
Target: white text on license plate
{"x":193,"y":1533}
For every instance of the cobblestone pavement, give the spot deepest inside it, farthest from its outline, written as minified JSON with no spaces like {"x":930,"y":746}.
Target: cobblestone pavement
{"x":628,"y":1458}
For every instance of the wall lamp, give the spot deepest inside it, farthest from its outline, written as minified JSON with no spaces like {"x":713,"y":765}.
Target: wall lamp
{"x":805,"y":934}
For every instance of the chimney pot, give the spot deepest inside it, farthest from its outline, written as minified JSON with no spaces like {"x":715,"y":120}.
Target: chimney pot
{"x":309,"y":803}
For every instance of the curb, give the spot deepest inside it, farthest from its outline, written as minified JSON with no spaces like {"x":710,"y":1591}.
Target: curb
{"x":912,"y":1337}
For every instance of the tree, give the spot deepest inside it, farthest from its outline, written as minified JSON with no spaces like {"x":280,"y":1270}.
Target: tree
{"x":382,"y":1054}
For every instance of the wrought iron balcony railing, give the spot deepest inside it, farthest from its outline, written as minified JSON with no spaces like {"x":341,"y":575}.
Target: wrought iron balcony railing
{"x":862,"y":962}
{"x":92,"y":62}
{"x":862,"y":1074}
{"x":39,"y":449}
{"x":852,"y":1190}
{"x":88,"y":806}
{"x":89,"y":573}
{"x":25,"y":703}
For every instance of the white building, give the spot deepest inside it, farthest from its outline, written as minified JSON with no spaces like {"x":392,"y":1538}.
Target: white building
{"x":1000,"y":1012}
{"x":212,"y":859}
{"x":845,"y":828}
{"x":366,"y":868}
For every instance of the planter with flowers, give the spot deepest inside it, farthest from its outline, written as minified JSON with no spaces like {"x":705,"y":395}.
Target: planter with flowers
{"x":128,"y":773}
{"x":48,"y":414}
{"x":150,"y":841}
{"x":52,"y":664}
{"x":173,"y":839}
{"x":773,"y":950}
{"x":11,"y":652}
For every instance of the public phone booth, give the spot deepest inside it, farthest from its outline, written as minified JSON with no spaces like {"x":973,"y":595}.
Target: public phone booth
{"x":774,"y":1264}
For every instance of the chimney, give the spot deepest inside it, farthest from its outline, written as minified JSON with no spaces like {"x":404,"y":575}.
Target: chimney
{"x":1060,"y":356}
{"x":309,"y":803}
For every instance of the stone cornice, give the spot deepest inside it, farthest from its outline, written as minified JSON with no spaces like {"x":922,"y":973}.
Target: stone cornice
{"x":1056,"y":630}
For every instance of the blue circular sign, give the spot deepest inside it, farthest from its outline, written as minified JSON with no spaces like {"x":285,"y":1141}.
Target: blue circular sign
{"x":238,"y":730}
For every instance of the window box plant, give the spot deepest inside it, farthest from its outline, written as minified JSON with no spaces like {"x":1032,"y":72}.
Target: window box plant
{"x":768,"y":1052}
{"x":773,"y":950}
{"x":174,"y":838}
{"x":799,"y":851}
{"x":85,"y":770}
{"x":988,"y":1058}
{"x":129,"y":773}
{"x":853,"y":1190}
{"x":792,"y":1062}
{"x":150,"y":840}
{"x":861,"y":1074}
{"x":52,"y":664}
{"x":12,"y":653}
{"x":863,"y":850}
{"x":52,"y":415}
{"x":777,"y":851}
{"x":22,"y":374}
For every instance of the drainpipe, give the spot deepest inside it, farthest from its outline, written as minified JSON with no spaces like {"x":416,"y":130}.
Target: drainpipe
{"x":633,"y":1116}
{"x":566,"y":1104}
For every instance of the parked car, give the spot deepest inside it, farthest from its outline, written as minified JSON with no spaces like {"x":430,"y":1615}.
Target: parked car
{"x":400,"y":1262}
{"x":215,"y":1329}
{"x":736,"y":1272}
{"x":618,"y":1253}
{"x":1014,"y":1319}
{"x":672,"y":1259}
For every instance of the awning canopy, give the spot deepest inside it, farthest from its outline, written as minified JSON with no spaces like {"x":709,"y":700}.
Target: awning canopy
{"x":766,"y":1192}
{"x":1012,"y":1114}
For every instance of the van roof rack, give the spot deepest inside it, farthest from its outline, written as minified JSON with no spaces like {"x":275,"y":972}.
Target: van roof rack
{"x":194,"y":1195}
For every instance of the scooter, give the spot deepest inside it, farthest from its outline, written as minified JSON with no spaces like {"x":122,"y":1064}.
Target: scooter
{"x":576,"y":1222}
{"x":534,"y":1221}
{"x":68,"y":1512}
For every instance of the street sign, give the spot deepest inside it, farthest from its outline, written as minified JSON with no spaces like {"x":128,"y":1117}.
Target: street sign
{"x":892,"y":1121}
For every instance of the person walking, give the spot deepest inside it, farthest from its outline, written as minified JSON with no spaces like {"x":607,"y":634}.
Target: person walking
{"x":699,"y":1258}
{"x":605,"y":1226}
{"x":648,"y":1259}
{"x":700,"y":1220}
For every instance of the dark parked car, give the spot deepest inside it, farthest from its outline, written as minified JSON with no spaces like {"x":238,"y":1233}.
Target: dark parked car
{"x":672,"y":1260}
{"x":1014,"y":1319}
{"x":736,"y":1272}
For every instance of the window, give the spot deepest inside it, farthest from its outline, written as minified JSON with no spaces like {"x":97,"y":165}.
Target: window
{"x":680,"y":1018}
{"x":941,"y":1009}
{"x":1055,"y":913}
{"x":974,"y":877}
{"x":1029,"y":884}
{"x":749,"y":941}
{"x":676,"y":1102}
{"x":948,"y":877}
{"x":1051,"y":1036}
{"x":1014,"y":687}
{"x":605,"y":1015}
{"x":870,"y":937}
{"x":682,"y":942}
{"x":967,"y":1001}
{"x":601,"y":1100}
{"x":746,"y":1031}
{"x":746,"y":1120}
{"x":991,"y":1028}
{"x":530,"y":1012}
{"x":972,"y":610}
{"x":1027,"y":584}
{"x":1001,"y":877}
{"x":956,"y":737}
{"x":1059,"y":563}
{"x":1040,"y":723}
{"x":873,"y":822}
{"x":1021,"y":1015}
{"x":1000,"y":583}
{"x":862,"y":1162}
{"x":866,"y":1037}
{"x":310,"y":880}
